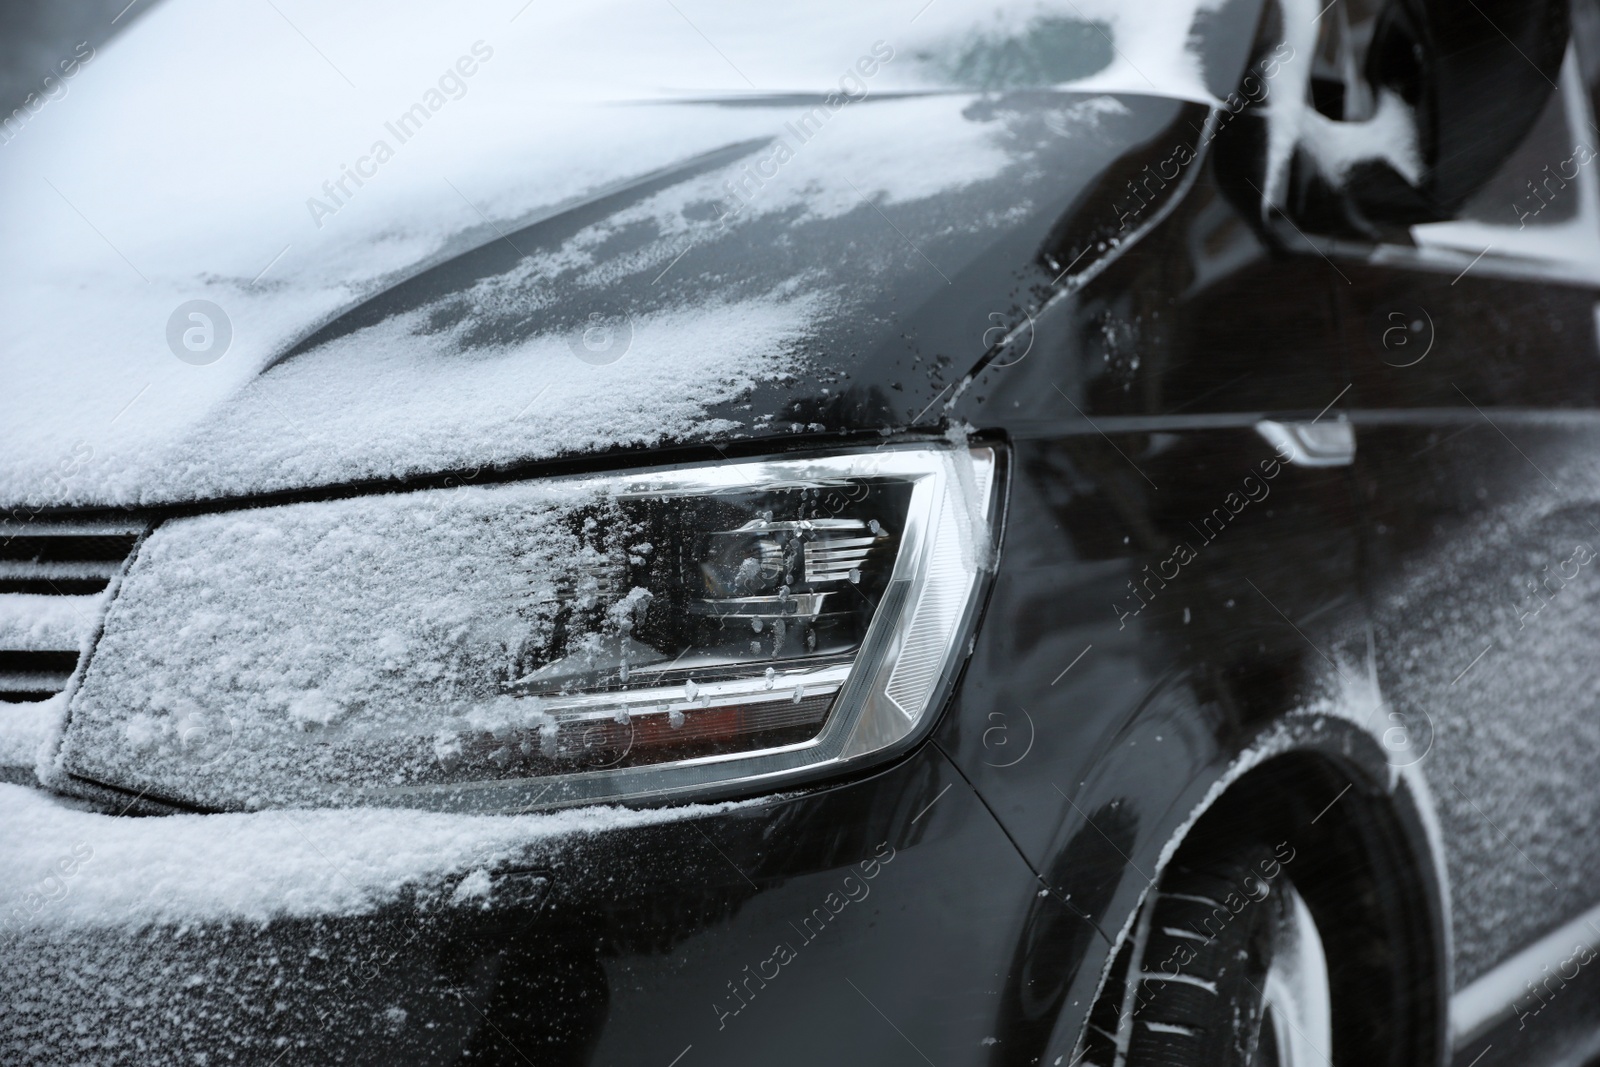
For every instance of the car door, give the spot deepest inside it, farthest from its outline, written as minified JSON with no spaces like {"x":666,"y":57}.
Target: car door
{"x":1475,"y":376}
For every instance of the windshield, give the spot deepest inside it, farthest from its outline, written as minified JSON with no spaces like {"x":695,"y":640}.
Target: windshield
{"x":653,"y":48}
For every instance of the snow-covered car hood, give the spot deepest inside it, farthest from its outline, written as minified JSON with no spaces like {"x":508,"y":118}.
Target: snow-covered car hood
{"x":436,"y":240}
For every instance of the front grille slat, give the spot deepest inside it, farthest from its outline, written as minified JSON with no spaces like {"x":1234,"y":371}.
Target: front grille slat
{"x":28,"y":686}
{"x":53,"y":578}
{"x":50,"y":568}
{"x":74,"y":526}
{"x":63,"y":587}
{"x":67,"y":548}
{"x":45,"y":622}
{"x":35,"y":560}
{"x":37,"y":661}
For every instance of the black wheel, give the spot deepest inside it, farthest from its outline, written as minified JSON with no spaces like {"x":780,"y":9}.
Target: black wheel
{"x":1227,"y":970}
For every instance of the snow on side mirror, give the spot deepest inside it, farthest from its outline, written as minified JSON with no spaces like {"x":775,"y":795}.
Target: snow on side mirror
{"x":1388,"y":113}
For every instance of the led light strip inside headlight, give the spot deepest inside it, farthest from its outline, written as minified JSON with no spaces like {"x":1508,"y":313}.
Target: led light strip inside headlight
{"x":686,"y":632}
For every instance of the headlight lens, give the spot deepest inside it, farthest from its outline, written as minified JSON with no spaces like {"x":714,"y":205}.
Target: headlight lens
{"x":688,"y":631}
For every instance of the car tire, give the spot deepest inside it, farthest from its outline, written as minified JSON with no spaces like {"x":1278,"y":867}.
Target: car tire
{"x":1230,"y":971}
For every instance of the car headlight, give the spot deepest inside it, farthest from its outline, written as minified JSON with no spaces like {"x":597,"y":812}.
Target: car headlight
{"x":689,"y":631}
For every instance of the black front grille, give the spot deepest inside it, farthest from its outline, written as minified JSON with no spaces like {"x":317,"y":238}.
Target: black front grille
{"x":53,"y":573}
{"x":54,"y":586}
{"x":64,"y":561}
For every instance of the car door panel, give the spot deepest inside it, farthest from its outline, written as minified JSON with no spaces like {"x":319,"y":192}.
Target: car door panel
{"x":1475,"y":465}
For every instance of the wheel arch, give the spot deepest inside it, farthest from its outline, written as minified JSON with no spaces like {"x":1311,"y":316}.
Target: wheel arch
{"x":1365,"y":863}
{"x":1367,"y":859}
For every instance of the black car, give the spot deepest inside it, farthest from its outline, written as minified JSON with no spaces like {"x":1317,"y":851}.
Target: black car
{"x":672,"y":533}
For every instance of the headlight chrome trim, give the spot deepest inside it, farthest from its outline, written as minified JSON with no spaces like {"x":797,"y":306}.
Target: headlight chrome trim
{"x":866,"y":724}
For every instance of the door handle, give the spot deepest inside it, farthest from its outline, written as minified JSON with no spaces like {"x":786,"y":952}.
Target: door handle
{"x":1311,"y":444}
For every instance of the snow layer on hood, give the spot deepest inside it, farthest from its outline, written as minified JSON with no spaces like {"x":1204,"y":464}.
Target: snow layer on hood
{"x":175,"y":169}
{"x":350,"y":408}
{"x":72,"y":868}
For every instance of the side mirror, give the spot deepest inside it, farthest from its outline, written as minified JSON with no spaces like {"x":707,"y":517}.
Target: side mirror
{"x":1477,"y":76}
{"x":1468,"y":81}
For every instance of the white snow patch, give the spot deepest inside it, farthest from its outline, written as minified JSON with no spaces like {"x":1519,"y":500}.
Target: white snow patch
{"x":109,"y":226}
{"x":39,"y":621}
{"x":1151,"y":39}
{"x":285,"y":654}
{"x":474,"y":887}
{"x":142,"y":732}
{"x":182,"y":869}
{"x":1389,"y":136}
{"x":1085,"y":115}
{"x":27,"y":728}
{"x":1173,"y":1028}
{"x":422,"y":409}
{"x":314,"y":708}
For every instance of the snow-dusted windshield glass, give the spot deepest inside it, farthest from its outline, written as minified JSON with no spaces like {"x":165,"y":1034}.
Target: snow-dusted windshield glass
{"x":656,"y":48}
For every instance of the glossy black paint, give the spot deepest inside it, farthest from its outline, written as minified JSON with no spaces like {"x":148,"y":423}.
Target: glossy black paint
{"x":632,"y":952}
{"x":917,"y":290}
{"x":895,"y":894}
{"x":1110,"y":694}
{"x":1171,"y":590}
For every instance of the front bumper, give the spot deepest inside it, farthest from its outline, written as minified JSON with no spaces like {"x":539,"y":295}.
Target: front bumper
{"x":899,"y":900}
